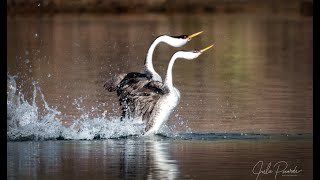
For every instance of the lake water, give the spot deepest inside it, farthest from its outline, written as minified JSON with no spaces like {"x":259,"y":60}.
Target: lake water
{"x":248,"y":99}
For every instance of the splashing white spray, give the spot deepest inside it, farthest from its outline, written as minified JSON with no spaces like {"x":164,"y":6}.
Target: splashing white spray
{"x":25,"y":122}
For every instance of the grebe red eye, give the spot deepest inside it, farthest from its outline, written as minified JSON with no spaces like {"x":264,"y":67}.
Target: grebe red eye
{"x":184,"y":37}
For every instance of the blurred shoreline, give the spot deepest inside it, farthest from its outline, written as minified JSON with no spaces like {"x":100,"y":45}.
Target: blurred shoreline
{"x":51,"y":7}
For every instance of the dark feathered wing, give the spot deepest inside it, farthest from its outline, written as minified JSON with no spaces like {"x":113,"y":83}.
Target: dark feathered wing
{"x":141,"y":102}
{"x":138,"y":94}
{"x":126,"y":85}
{"x":112,"y":83}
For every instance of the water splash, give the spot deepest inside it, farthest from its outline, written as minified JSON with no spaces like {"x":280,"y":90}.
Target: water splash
{"x":24,"y":119}
{"x":27,"y":122}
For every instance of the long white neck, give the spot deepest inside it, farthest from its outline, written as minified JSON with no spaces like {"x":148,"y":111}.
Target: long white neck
{"x":168,"y":80}
{"x":148,"y":65}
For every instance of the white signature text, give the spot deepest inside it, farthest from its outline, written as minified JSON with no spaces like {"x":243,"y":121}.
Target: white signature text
{"x":279,"y":168}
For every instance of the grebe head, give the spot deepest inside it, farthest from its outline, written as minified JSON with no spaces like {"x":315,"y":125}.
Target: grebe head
{"x":178,"y":41}
{"x":190,"y":55}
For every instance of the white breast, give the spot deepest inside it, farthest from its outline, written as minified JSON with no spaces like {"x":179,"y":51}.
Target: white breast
{"x":177,"y":93}
{"x":163,"y":109}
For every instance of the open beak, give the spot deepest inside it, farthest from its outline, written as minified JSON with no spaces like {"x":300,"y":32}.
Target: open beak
{"x":194,"y":35}
{"x":203,"y":50}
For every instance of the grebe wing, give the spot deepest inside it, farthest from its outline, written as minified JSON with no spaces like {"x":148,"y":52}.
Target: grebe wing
{"x":135,"y":75}
{"x":121,"y":81}
{"x":132,"y":81}
{"x":138,"y":95}
{"x":156,"y":87}
{"x":130,"y":84}
{"x":142,"y":104}
{"x":112,"y":83}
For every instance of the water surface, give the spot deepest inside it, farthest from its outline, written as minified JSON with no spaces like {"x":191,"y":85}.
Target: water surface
{"x":155,"y":158}
{"x":258,"y":77}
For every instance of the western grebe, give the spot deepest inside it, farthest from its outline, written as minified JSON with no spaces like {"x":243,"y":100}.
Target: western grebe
{"x":155,"y":101}
{"x":124,"y":84}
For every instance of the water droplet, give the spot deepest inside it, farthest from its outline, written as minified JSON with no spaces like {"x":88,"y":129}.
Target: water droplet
{"x":36,"y":34}
{"x":49,"y":75}
{"x":39,"y":5}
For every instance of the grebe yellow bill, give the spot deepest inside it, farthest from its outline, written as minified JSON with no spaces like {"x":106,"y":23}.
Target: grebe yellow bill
{"x":125,"y":84}
{"x":155,"y":101}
